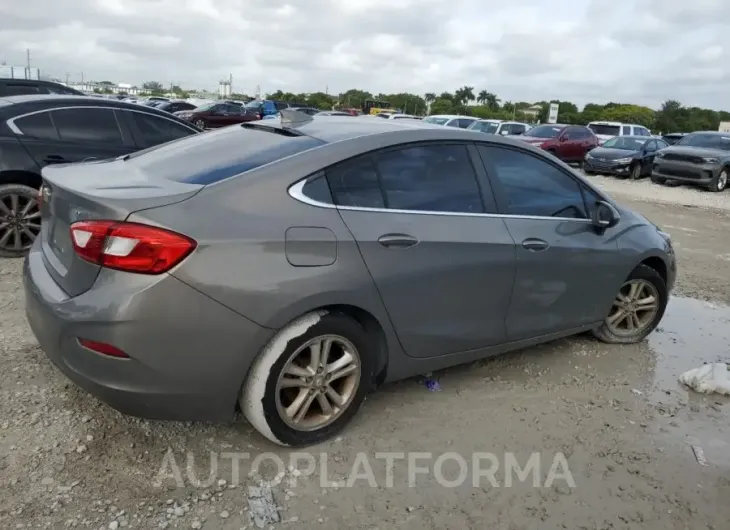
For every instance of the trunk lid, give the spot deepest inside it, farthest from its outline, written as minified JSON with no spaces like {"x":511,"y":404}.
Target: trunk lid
{"x":109,"y":190}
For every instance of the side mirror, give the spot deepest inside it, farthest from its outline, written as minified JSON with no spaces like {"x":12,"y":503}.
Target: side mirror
{"x":605,"y":215}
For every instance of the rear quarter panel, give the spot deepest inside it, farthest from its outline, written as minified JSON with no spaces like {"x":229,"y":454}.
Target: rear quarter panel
{"x":241,"y":258}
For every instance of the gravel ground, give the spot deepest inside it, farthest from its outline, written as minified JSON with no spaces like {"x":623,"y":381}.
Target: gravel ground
{"x":623,"y":424}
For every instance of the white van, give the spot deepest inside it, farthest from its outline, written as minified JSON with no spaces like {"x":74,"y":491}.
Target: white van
{"x":608,"y":129}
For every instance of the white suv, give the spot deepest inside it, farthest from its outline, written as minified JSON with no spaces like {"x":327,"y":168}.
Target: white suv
{"x":608,"y":129}
{"x":503,"y":128}
{"x":450,"y":120}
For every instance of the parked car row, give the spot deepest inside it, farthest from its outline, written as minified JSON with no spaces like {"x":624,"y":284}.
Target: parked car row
{"x":288,"y":268}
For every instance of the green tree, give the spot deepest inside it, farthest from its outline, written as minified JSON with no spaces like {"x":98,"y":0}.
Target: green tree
{"x":153,"y":86}
{"x":442,"y":106}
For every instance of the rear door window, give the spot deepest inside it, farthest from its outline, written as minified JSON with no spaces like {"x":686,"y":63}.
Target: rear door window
{"x":153,"y":130}
{"x":89,"y":125}
{"x":430,"y":178}
{"x":355,"y":183}
{"x":37,"y":125}
{"x":626,"y":130}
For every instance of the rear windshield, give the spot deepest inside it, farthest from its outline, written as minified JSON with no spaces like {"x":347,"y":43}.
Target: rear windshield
{"x":607,"y":130}
{"x":213,"y":156}
{"x":544,"y":131}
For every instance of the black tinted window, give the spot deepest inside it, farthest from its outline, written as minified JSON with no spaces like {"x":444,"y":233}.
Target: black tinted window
{"x":317,"y":189}
{"x":432,"y":178}
{"x":531,"y":186}
{"x":155,"y":130}
{"x":55,"y":89}
{"x":89,"y":125}
{"x":22,"y":90}
{"x":38,"y":126}
{"x":355,"y":183}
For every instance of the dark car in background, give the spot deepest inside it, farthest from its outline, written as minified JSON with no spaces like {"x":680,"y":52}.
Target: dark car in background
{"x":569,"y":143}
{"x":269,"y":107}
{"x":216,"y":114}
{"x":701,"y":158}
{"x":38,"y":131}
{"x":624,"y":156}
{"x":175,"y":106}
{"x":22,"y":87}
{"x":673,"y":138}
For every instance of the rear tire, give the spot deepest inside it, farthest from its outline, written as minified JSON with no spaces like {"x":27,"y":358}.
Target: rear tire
{"x":25,"y":200}
{"x":277,"y":380}
{"x":633,"y":299}
{"x":200,"y":124}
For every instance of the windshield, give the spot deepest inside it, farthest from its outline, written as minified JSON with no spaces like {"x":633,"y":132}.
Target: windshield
{"x":488,"y":127}
{"x":708,"y":141}
{"x":206,"y":107}
{"x":254,"y":104}
{"x":544,"y":131}
{"x":625,"y":142}
{"x":606,"y":130}
{"x":437,"y":121}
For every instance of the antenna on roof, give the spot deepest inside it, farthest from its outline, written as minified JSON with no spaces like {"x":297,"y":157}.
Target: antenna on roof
{"x":291,"y":119}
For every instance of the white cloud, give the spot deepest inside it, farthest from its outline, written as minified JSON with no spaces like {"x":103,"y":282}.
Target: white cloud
{"x":642,"y":51}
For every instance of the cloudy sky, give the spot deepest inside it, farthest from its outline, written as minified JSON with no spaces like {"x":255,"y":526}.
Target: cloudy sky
{"x":639,"y":51}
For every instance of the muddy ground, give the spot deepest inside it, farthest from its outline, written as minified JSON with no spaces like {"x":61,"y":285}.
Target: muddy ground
{"x":616,"y":413}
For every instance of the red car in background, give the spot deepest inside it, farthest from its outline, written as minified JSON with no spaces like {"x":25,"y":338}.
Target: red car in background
{"x":217,"y":114}
{"x":569,"y":143}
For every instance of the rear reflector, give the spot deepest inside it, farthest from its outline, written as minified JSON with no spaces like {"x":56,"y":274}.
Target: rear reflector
{"x":130,"y":247}
{"x":103,"y":348}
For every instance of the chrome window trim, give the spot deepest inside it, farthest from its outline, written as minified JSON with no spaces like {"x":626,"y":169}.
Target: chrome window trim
{"x":296,"y":193}
{"x":16,"y":129}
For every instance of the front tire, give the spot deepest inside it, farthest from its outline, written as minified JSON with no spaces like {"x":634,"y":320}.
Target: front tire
{"x":636,"y":172}
{"x":310,"y":380}
{"x":719,"y":181}
{"x":637,"y":309}
{"x":200,"y":124}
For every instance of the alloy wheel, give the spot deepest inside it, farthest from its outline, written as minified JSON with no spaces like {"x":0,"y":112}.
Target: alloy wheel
{"x":636,"y":172}
{"x":20,"y":221}
{"x":722,"y":180}
{"x":318,"y":383}
{"x":634,"y":309}
{"x":200,"y":124}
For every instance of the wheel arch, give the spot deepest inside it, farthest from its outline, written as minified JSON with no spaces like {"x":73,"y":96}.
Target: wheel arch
{"x":19,"y":176}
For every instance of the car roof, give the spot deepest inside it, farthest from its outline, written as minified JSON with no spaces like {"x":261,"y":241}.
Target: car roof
{"x":48,"y":102}
{"x":714,"y":133}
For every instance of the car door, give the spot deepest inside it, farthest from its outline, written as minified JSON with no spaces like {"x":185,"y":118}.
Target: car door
{"x":647,"y":156}
{"x":75,"y":134}
{"x":569,"y":147}
{"x":443,"y":268}
{"x":566,"y":275}
{"x":149,"y":129}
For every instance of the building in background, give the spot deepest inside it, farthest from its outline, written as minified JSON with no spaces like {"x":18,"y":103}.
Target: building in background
{"x":225,"y":88}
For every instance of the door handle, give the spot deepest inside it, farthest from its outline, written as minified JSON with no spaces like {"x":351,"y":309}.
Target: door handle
{"x":397,"y":240}
{"x":535,"y":245}
{"x":54,"y":159}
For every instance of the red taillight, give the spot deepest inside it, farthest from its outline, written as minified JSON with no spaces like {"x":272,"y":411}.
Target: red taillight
{"x":103,"y":348}
{"x":129,"y":247}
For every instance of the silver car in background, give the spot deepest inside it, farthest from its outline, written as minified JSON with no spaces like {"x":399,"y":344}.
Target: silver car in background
{"x":290,"y":267}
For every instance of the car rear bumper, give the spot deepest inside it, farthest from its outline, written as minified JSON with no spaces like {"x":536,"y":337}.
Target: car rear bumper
{"x":701,"y":174}
{"x":188,"y":355}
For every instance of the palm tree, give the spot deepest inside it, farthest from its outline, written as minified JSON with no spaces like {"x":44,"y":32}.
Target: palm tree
{"x":482,"y":97}
{"x":492,"y":101}
{"x":430,"y":97}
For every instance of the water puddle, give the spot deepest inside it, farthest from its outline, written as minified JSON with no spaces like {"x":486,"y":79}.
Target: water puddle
{"x":692,"y":333}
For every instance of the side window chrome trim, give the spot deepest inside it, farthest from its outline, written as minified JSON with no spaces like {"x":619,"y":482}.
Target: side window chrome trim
{"x":296,"y":193}
{"x":13,"y":127}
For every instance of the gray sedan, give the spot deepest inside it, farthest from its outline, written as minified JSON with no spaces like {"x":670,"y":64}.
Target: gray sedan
{"x":291,"y":266}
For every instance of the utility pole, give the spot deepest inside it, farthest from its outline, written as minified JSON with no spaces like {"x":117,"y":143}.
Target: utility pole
{"x":27,"y":58}
{"x":67,"y":76}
